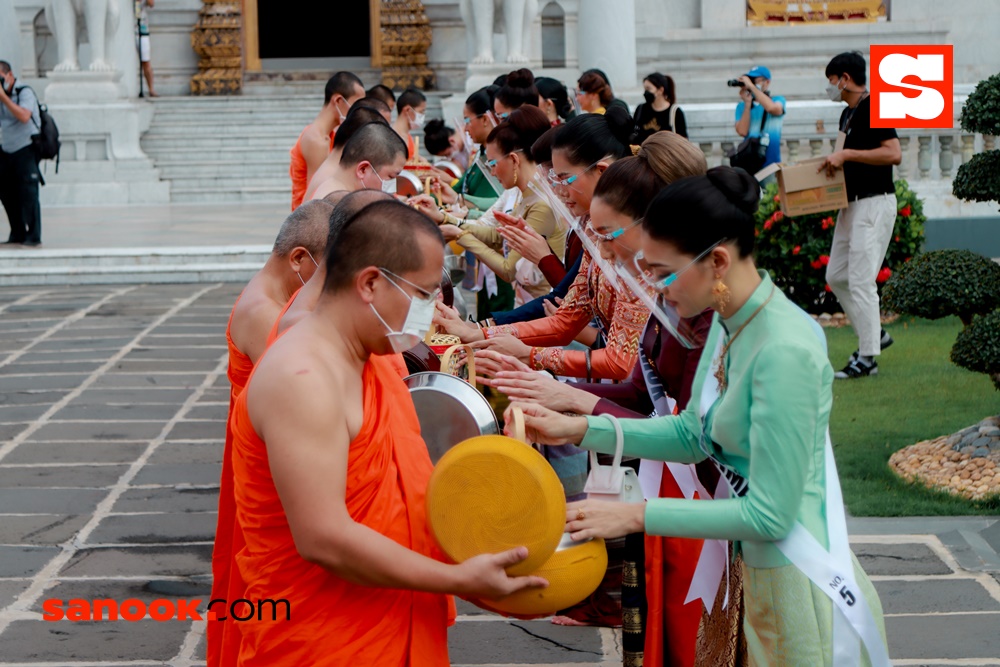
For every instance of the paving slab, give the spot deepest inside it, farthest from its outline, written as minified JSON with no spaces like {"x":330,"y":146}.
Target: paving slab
{"x":40,"y":529}
{"x":137,"y":380}
{"x":71,"y":476}
{"x":523,"y":642}
{"x":936,"y":596}
{"x":9,"y":431}
{"x":98,"y":430}
{"x":167,"y":366}
{"x":34,"y":641}
{"x":179,"y":473}
{"x":31,"y":397}
{"x":54,"y":367}
{"x":139,"y":561}
{"x":965,"y":636}
{"x":159,"y":413}
{"x":168,"y":500}
{"x":10,"y":590}
{"x":897,"y":559}
{"x":215,"y":413}
{"x":179,"y":451}
{"x":148,"y":396}
{"x":16,"y":383}
{"x":50,"y":501}
{"x":154,"y":529}
{"x":22,"y":413}
{"x":76,"y":353}
{"x":197,"y":430}
{"x":21,"y":561}
{"x":75,"y":452}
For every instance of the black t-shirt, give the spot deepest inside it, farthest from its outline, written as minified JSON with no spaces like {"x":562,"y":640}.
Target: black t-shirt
{"x":865,"y":180}
{"x":648,"y":121}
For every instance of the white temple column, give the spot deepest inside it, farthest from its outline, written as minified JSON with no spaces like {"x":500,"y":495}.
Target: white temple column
{"x":607,"y":40}
{"x":10,"y":36}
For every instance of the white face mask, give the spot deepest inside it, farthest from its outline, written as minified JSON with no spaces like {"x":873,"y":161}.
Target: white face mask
{"x":833,"y":91}
{"x":418,"y":321}
{"x":418,"y":120}
{"x":388,"y":185}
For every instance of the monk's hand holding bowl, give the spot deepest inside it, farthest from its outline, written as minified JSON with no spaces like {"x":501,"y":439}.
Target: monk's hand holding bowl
{"x":484,"y":576}
{"x":602,"y":518}
{"x":542,"y":388}
{"x":548,"y":427}
{"x":448,"y":320}
{"x":506,"y":345}
{"x":491,"y":362}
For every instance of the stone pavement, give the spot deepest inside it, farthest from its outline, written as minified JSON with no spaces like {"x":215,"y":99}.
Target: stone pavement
{"x":112,"y":401}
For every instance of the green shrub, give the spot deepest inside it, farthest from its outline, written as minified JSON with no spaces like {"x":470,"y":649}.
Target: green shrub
{"x":945,"y":282}
{"x":795,"y":251}
{"x":977,"y":347}
{"x":979,"y":178}
{"x":981,"y":112}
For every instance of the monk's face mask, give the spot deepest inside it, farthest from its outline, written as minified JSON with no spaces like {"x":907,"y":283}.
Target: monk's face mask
{"x":419,"y":317}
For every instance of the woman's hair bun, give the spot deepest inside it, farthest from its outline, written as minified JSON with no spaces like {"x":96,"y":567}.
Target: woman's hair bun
{"x":434,"y":125}
{"x":621,"y":124}
{"x":739,"y":187}
{"x":520,"y":78}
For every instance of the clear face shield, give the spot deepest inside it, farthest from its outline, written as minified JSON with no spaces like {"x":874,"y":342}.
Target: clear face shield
{"x":641,"y":279}
{"x":540,"y":186}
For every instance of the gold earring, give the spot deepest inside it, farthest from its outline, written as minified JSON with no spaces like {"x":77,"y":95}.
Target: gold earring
{"x":720,"y":294}
{"x":515,"y":177}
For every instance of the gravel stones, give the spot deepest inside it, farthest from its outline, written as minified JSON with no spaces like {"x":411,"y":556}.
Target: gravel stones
{"x":966,"y":463}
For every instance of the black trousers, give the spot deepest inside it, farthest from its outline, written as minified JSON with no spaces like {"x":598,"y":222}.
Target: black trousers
{"x":19,"y":180}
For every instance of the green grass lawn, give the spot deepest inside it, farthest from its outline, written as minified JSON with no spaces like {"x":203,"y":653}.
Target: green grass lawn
{"x":917,"y":395}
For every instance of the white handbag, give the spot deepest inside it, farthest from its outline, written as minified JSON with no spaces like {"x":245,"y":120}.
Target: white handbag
{"x":613,"y":482}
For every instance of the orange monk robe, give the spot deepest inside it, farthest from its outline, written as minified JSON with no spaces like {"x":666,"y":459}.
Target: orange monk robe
{"x":298,"y":169}
{"x":336,"y":623}
{"x":227,"y":539}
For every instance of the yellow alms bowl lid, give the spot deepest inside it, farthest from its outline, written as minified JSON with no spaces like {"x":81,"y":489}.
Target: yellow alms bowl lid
{"x":492,"y":493}
{"x":574,"y":571}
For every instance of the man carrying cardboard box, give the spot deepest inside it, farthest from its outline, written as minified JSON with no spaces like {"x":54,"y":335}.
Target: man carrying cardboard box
{"x":864,"y":228}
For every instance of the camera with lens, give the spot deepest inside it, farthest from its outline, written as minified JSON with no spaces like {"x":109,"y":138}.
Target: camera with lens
{"x":735,"y":83}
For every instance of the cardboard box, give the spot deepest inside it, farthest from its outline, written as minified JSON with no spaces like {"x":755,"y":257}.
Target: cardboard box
{"x":804,"y":190}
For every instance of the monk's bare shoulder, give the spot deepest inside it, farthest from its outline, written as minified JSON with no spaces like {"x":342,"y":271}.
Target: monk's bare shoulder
{"x":253,"y":317}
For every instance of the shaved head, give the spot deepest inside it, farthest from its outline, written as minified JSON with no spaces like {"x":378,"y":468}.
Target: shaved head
{"x":375,"y":142}
{"x":308,"y":226}
{"x":383,"y":234}
{"x":348,"y":206}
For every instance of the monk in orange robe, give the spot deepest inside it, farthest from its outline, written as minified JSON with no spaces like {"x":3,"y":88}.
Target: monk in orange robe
{"x":301,"y":238}
{"x":316,"y":141}
{"x":331,"y":471}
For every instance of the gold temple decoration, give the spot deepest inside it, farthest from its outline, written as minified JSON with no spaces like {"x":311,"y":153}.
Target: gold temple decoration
{"x":405,"y":39}
{"x":218,"y":41}
{"x":772,"y":12}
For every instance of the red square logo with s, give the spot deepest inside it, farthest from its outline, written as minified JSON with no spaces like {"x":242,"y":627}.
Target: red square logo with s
{"x":912,"y":86}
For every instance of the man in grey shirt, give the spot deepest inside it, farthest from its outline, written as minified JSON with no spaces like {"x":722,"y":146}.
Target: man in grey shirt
{"x":20,"y":118}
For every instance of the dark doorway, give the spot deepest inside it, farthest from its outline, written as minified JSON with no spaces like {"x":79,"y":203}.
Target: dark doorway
{"x":313,"y":29}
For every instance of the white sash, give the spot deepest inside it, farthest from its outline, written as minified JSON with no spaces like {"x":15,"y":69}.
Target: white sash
{"x":831,"y":571}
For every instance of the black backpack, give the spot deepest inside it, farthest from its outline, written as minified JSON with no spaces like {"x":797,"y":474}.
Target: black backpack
{"x":46,"y":143}
{"x":751,"y":154}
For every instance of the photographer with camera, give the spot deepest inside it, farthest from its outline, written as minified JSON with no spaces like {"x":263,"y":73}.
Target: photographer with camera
{"x":758,"y":116}
{"x":20,"y":118}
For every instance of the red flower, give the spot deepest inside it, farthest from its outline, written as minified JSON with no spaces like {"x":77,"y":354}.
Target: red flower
{"x":816,"y":264}
{"x":906,"y":211}
{"x":767,"y":223}
{"x":777,"y":199}
{"x":897,"y":239}
{"x":883,"y":275}
{"x":824,"y":259}
{"x":827,"y":223}
{"x":828,"y":288}
{"x":796,"y":250}
{"x":778,"y":216}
